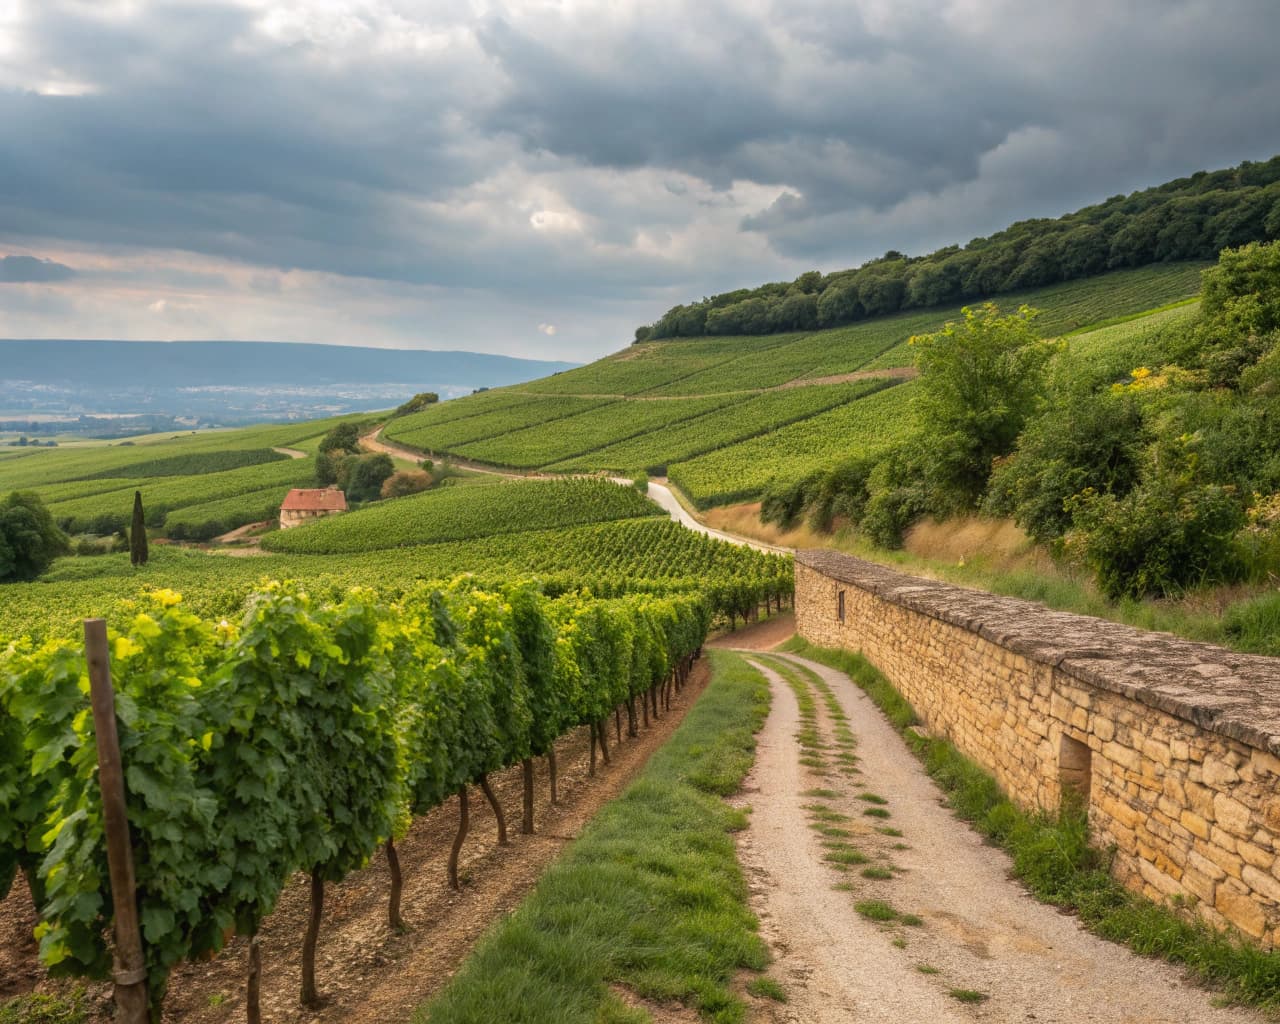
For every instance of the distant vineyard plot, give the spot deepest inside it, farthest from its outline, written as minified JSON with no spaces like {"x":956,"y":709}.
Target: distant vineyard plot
{"x":463,"y":513}
{"x":867,"y":427}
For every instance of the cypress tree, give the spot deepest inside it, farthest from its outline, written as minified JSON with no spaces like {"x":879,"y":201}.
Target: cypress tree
{"x":138,"y":533}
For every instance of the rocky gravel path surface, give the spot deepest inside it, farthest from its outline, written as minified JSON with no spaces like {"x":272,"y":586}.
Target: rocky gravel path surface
{"x":837,"y":827}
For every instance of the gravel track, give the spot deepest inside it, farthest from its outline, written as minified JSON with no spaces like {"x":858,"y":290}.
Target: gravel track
{"x":981,"y":931}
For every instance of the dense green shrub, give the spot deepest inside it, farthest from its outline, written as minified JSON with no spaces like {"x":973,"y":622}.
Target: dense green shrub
{"x":1191,"y":218}
{"x":1160,"y":538}
{"x":980,"y":381}
{"x":29,"y":538}
{"x":1082,"y":440}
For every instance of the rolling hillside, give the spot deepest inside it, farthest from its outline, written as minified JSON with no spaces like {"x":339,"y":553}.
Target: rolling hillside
{"x":727,"y":418}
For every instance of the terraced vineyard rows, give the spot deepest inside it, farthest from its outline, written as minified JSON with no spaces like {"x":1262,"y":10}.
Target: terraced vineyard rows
{"x":572,"y":436}
{"x":109,"y":510}
{"x":463,"y":513}
{"x":826,"y":353}
{"x":409,"y":702}
{"x":634,"y":550}
{"x":743,"y":471}
{"x":1076,"y":304}
{"x":211,"y":518}
{"x":1109,"y":354}
{"x":509,"y":417}
{"x":747,"y":416}
{"x":647,"y":367}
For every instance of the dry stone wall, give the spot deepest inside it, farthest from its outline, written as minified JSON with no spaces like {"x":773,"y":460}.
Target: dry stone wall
{"x":1174,"y":745}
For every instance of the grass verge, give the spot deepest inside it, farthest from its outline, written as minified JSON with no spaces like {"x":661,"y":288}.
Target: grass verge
{"x":650,"y":897}
{"x":1053,"y":857}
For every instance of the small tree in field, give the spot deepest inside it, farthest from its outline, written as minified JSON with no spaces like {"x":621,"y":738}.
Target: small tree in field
{"x":138,"y":533}
{"x":979,"y":382}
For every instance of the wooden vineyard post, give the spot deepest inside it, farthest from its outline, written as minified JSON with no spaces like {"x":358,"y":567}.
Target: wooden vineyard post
{"x":130,"y":972}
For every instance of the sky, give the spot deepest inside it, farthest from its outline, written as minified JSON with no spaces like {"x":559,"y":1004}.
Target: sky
{"x":536,"y":179}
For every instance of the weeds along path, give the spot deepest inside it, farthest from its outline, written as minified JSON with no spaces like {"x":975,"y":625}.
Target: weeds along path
{"x":368,"y":974}
{"x":881,"y":906}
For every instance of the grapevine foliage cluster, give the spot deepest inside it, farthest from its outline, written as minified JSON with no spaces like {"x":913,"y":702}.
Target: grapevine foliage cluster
{"x":301,"y":738}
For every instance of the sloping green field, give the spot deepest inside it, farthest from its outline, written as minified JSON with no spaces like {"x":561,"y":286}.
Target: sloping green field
{"x":726,"y":417}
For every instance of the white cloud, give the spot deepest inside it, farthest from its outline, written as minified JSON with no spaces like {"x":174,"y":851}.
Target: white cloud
{"x":548,"y":329}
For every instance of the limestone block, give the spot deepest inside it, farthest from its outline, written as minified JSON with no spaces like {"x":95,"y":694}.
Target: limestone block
{"x":1241,"y":910}
{"x":1232,"y":815}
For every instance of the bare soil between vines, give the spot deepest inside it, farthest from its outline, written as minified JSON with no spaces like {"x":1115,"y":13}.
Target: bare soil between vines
{"x":366,"y":972}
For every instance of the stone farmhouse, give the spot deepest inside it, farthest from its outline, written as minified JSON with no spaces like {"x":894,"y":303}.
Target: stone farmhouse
{"x":305,"y":504}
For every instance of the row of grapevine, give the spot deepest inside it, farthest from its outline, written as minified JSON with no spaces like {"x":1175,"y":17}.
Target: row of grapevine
{"x":751,"y":415}
{"x":462,"y":513}
{"x":744,"y":471}
{"x":301,"y":739}
{"x":549,"y":442}
{"x":630,"y":551}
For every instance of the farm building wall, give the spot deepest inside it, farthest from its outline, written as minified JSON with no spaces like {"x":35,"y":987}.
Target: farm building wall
{"x":1175,"y":745}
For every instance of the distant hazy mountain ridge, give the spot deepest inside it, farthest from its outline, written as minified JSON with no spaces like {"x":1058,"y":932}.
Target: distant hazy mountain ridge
{"x":236,"y":381}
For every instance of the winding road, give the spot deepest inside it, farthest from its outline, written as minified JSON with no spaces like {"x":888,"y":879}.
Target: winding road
{"x":658,"y":490}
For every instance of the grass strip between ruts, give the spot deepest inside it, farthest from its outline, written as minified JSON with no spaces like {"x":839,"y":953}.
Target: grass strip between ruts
{"x":1054,"y":859}
{"x":650,"y":897}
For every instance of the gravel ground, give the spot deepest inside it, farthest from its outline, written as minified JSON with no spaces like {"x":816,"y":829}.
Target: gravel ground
{"x":981,"y":931}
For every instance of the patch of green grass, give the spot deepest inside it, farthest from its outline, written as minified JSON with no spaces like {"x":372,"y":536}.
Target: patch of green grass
{"x":968,"y":995}
{"x":847,"y":856}
{"x":876,"y":812}
{"x":650,"y":896}
{"x":877,"y":873}
{"x":899,"y":943}
{"x":766,"y":988}
{"x":901,"y":846}
{"x":44,"y":1009}
{"x":1053,"y":857}
{"x":821,"y":812}
{"x":832,"y":831}
{"x":822,"y":794}
{"x":879,"y":689}
{"x":844,"y":887}
{"x":876,"y":910}
{"x":872,"y":798}
{"x":911,"y":920}
{"x":889,"y":830}
{"x":927,"y":969}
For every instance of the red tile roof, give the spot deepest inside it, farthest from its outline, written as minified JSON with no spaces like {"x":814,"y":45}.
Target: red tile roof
{"x":314,"y":499}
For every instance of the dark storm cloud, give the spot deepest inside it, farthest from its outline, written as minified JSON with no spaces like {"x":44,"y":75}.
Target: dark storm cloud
{"x":32,"y":270}
{"x":631,"y":151}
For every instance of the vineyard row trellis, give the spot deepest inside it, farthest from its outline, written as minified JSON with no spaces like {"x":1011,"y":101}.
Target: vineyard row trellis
{"x":304,"y":738}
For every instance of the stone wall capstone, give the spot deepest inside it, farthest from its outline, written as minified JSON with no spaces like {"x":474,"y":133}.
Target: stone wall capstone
{"x":1175,"y":745}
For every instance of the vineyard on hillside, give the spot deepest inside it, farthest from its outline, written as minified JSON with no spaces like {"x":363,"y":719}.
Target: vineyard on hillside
{"x":209,"y":482}
{"x":744,"y":471}
{"x":747,"y":416}
{"x":301,"y":737}
{"x":464,"y":513}
{"x":707,"y":429}
{"x":607,"y":558}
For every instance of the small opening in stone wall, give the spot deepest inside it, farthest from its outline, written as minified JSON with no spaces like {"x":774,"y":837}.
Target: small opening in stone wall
{"x":1075,"y":769}
{"x":840,"y":605}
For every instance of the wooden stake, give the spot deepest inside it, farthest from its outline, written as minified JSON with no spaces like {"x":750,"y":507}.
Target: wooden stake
{"x":130,"y":972}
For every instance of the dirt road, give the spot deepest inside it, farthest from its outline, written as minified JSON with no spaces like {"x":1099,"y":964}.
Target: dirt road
{"x":661,"y":493}
{"x":984,"y":949}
